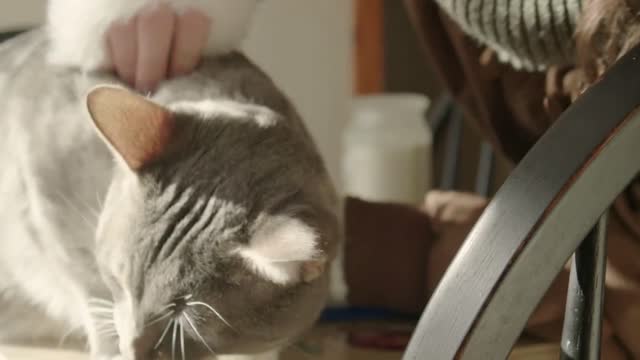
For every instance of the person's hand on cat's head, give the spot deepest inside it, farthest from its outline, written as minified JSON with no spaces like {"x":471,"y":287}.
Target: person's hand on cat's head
{"x":157,"y":44}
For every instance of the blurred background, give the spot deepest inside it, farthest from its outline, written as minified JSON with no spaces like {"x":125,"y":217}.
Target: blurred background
{"x":324,"y":54}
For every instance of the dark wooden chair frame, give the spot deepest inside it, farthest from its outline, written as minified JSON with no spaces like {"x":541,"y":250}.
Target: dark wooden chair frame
{"x":549,"y":208}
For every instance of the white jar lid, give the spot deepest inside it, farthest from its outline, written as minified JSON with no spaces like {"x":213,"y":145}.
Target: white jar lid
{"x":389,"y":117}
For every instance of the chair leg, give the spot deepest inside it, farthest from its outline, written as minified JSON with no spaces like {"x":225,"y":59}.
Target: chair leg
{"x":486,"y":167}
{"x":452,"y":151}
{"x":582,"y":328}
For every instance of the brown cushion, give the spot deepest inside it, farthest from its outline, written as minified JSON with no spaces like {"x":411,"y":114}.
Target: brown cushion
{"x":385,"y":255}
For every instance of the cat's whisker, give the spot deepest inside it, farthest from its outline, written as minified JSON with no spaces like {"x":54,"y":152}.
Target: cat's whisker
{"x":89,"y":224}
{"x":173,"y":340}
{"x":101,"y":311}
{"x":164,"y":333}
{"x":172,"y":305}
{"x":104,"y":307}
{"x":160,"y":318}
{"x":78,"y":211}
{"x":99,"y":200}
{"x":214,"y":311}
{"x":110,"y":333}
{"x":106,"y":325}
{"x":195,"y":330}
{"x":103,"y":319}
{"x":92,"y":211}
{"x":182,"y":338}
{"x":101,"y":301}
{"x":66,"y":335}
{"x":101,"y":305}
{"x":101,"y":315}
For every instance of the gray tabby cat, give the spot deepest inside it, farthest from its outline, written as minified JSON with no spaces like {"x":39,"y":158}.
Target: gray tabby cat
{"x":210,"y":233}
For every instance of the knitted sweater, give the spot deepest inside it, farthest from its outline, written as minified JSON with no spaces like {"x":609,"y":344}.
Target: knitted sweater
{"x":529,"y":34}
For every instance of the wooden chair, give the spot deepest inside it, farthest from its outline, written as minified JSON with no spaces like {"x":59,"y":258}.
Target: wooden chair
{"x":551,"y":206}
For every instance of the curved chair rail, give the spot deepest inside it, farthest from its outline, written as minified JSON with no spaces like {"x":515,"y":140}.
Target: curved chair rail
{"x":535,"y":223}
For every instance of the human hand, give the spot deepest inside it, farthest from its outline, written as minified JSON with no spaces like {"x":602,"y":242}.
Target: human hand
{"x":157,"y":44}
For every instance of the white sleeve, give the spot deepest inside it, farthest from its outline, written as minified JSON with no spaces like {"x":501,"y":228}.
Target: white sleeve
{"x":77,"y":27}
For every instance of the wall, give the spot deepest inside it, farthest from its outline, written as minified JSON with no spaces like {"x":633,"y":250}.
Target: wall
{"x":304,"y":44}
{"x":17,"y":14}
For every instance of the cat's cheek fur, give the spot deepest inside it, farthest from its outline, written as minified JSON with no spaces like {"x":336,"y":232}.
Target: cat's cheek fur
{"x":77,"y":27}
{"x":122,"y":203}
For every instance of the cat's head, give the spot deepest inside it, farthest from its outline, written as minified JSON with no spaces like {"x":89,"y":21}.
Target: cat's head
{"x":217,"y":228}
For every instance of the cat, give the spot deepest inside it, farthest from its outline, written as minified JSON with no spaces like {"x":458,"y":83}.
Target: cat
{"x":196,"y":222}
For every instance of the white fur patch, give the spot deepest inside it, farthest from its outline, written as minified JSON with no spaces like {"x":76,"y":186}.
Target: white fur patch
{"x":262,"y":115}
{"x":77,"y":27}
{"x":279,"y":249}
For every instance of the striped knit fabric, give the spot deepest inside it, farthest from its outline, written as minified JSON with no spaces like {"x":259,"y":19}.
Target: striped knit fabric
{"x":529,"y":34}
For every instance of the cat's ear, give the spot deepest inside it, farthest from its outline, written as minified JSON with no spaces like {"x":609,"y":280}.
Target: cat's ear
{"x":135,"y":128}
{"x":284,"y":250}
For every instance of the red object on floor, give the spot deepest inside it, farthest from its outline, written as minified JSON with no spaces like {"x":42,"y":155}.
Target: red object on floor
{"x":380,"y":340}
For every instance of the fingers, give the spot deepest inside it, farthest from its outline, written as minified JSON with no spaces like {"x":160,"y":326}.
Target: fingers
{"x":156,"y":44}
{"x":189,"y":41}
{"x":123,"y":49}
{"x":155,"y":34}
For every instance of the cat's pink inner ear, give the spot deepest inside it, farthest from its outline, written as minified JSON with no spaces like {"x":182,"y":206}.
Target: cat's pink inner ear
{"x":135,"y":127}
{"x":284,"y":250}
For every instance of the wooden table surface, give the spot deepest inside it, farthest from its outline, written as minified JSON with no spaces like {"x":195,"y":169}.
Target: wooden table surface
{"x":536,"y":352}
{"x":324,"y":343}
